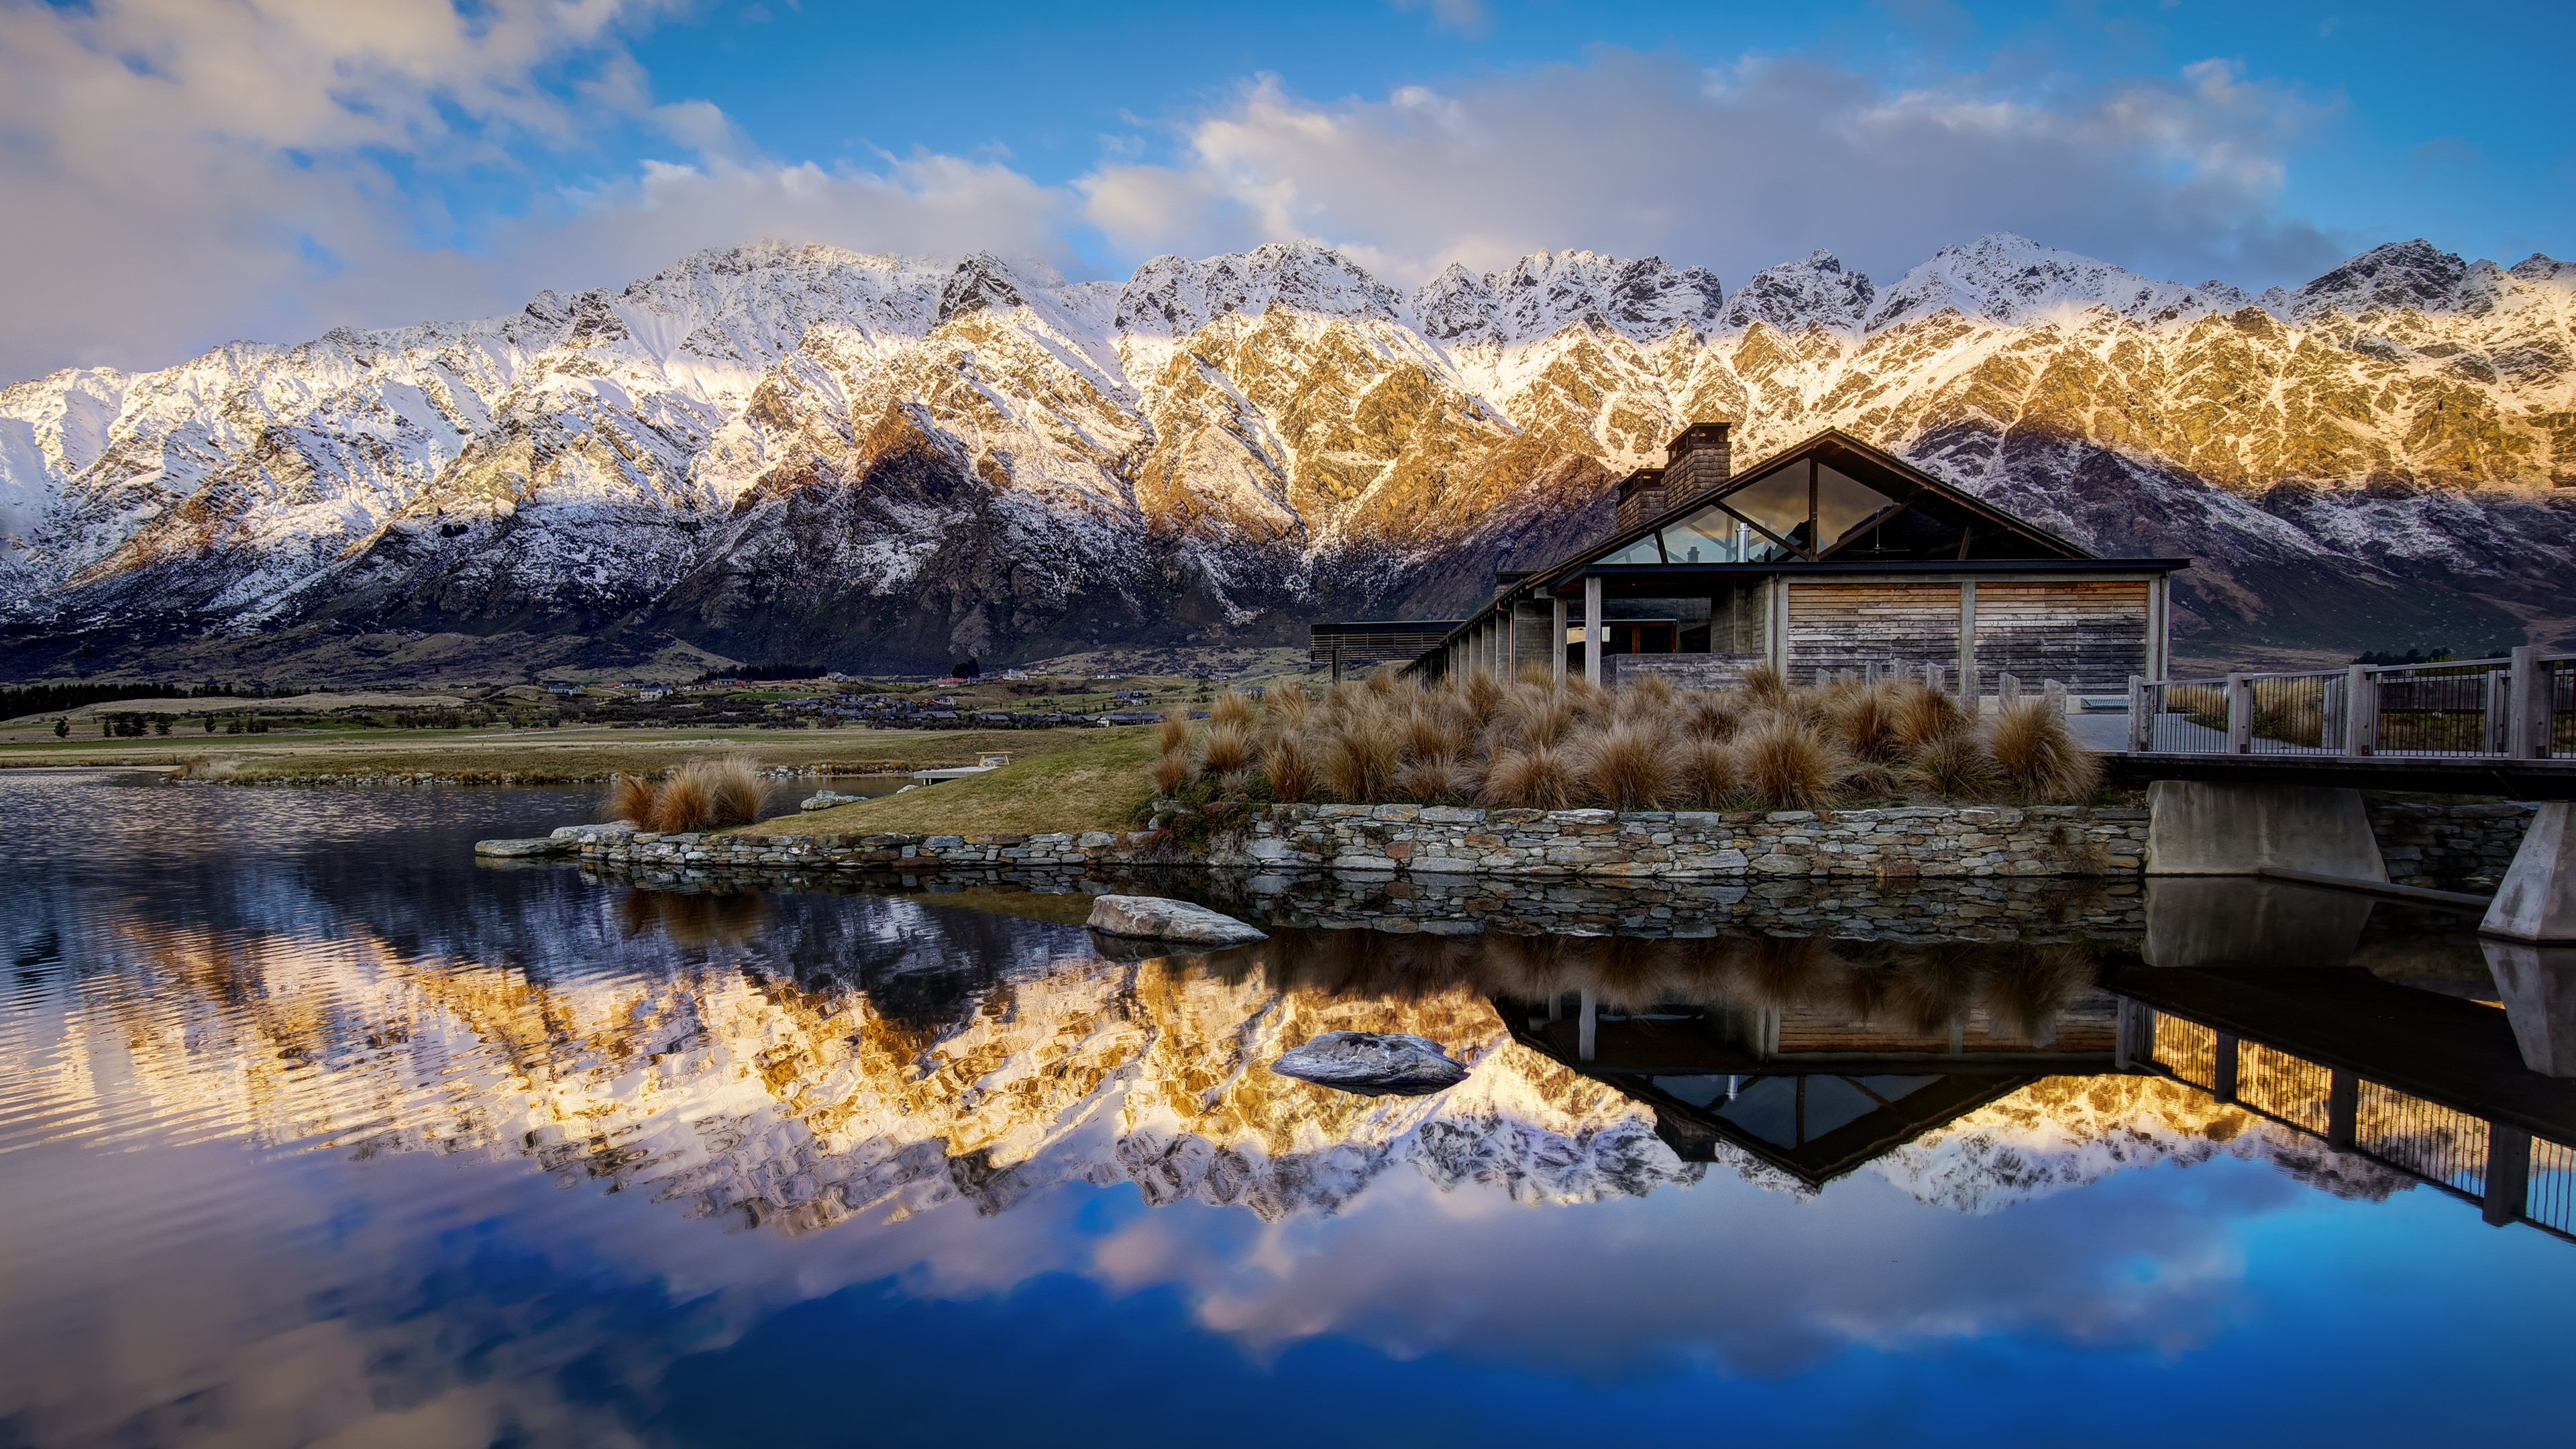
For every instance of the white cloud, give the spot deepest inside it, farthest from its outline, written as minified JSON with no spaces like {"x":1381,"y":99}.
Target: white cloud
{"x":1739,"y":167}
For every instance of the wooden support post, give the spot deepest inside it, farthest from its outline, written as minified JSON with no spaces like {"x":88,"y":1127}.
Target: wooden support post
{"x":2529,"y":687}
{"x":1588,"y":1032}
{"x":1595,"y":633}
{"x":2343,"y":1109}
{"x":2142,"y":719}
{"x":2508,"y":1173}
{"x":2007,"y":691}
{"x":2222,"y":1069}
{"x":2240,"y":715}
{"x":1556,"y":650}
{"x":2133,"y":1040}
{"x":2360,"y":710}
{"x":1968,"y":645}
{"x":1936,"y":676}
{"x":2054,"y":691}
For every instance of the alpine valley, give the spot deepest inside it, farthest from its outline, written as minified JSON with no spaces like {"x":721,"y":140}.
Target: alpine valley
{"x":790,"y":452}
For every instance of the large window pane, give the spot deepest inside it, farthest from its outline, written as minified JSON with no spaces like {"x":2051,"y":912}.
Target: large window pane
{"x":1844,"y":506}
{"x":1642,"y":551}
{"x":1707,"y":536}
{"x":1776,"y":501}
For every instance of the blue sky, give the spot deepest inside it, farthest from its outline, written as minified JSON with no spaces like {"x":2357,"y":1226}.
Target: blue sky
{"x":184,"y":172}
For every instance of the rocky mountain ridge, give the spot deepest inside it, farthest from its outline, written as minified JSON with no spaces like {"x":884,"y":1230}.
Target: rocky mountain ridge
{"x":794,"y":452}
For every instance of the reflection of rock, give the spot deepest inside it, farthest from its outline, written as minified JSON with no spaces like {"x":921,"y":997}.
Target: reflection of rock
{"x":539,"y":845}
{"x":1156,"y":918}
{"x":1373,"y":1064}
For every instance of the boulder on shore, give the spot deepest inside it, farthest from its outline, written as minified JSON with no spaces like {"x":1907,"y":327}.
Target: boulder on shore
{"x":1373,"y":1064}
{"x":1158,"y":919}
{"x":541,"y":845}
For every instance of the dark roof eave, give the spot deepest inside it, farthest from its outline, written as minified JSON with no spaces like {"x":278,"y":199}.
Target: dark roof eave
{"x":1569,"y":584}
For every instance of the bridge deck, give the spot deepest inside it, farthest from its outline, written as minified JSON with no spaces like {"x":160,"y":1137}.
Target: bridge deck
{"x":2440,"y":774}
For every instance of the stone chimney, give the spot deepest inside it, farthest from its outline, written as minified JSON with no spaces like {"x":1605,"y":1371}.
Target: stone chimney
{"x":1506,"y":580}
{"x":1641,"y":496}
{"x":1697,"y":461}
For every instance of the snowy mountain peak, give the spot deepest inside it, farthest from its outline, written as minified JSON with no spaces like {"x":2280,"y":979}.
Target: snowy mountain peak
{"x":2409,"y":274}
{"x":1542,"y":293}
{"x":2011,"y":279}
{"x":1793,"y":296}
{"x":1176,"y":296}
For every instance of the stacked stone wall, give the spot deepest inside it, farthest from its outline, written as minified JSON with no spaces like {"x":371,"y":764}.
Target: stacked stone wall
{"x":2449,"y":847}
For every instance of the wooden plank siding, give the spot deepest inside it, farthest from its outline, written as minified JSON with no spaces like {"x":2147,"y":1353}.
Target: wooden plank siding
{"x":1852,"y":625}
{"x":2093,"y":636}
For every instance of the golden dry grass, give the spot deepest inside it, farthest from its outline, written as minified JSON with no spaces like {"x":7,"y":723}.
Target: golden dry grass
{"x":1098,"y":784}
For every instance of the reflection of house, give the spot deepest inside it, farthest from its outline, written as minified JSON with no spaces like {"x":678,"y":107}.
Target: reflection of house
{"x":1806,"y":1089}
{"x":1830,"y":555}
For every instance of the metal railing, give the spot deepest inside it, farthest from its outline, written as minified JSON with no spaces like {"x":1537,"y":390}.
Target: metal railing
{"x":2510,"y":1174}
{"x":2522,"y":707}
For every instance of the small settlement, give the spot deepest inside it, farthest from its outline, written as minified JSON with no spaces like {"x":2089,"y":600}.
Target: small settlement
{"x":1831,"y":555}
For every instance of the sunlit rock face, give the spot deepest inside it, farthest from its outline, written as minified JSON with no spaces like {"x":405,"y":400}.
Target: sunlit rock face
{"x":800,"y":452}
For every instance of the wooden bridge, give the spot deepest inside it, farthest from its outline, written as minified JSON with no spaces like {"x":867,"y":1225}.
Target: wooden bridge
{"x":2261,"y":773}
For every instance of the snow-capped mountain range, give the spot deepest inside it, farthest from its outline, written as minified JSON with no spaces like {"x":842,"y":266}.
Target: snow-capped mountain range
{"x":793,"y":452}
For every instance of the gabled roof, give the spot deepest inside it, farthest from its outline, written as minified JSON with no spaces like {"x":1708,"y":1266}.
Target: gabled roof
{"x":1934,"y":519}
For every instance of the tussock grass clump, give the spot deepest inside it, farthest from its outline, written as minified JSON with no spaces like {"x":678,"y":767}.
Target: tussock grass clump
{"x":630,"y":797}
{"x":1787,"y":767}
{"x":1228,"y":746}
{"x":1537,"y":778}
{"x":1627,"y":766}
{"x":1958,"y":766}
{"x":2036,"y":751}
{"x":705,"y":795}
{"x":681,"y":804}
{"x":1536,"y":742}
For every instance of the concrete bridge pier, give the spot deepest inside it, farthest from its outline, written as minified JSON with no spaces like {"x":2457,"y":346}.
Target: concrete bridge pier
{"x":2194,"y":828}
{"x":2537,"y":901}
{"x":2538,"y":987}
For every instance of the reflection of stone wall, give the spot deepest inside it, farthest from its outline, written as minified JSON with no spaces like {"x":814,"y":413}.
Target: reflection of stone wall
{"x":1427,"y":840}
{"x":1993,"y":909}
{"x":2449,"y":845}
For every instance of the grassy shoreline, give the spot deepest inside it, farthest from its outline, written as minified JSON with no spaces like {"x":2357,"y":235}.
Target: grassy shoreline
{"x":1095,"y":784}
{"x":538,"y":756}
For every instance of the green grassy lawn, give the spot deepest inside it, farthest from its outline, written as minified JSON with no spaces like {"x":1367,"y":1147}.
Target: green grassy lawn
{"x":538,"y":755}
{"x":1095,"y":783}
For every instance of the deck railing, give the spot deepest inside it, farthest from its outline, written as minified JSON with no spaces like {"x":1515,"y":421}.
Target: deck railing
{"x":2510,"y":1174}
{"x":2521,"y":707}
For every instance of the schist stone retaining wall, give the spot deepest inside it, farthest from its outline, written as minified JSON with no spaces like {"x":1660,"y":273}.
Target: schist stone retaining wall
{"x":2449,"y":845}
{"x":1426,"y":840}
{"x":2424,"y":845}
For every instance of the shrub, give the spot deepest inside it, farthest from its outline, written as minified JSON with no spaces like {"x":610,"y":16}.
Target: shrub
{"x":1174,"y":771}
{"x":1864,"y":718}
{"x":1788,"y":767}
{"x":1230,"y":708}
{"x":2036,"y":751}
{"x":1707,"y":716}
{"x":1439,"y":779}
{"x":708,"y":794}
{"x":1173,"y":730}
{"x":630,"y":797}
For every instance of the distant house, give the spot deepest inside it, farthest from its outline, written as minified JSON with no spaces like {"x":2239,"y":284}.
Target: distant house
{"x":1831,"y":555}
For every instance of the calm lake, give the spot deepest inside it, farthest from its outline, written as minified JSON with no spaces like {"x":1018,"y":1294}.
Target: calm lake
{"x":315,"y":1131}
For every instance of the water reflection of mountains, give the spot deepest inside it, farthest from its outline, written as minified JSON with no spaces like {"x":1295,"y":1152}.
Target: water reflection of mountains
{"x":788,"y":1062}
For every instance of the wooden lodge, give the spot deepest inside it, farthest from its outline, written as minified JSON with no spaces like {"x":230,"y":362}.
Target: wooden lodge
{"x":1831,"y":555}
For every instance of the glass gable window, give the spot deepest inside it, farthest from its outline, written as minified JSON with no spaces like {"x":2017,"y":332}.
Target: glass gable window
{"x":1844,"y":507}
{"x":1643,"y":551}
{"x":1776,"y":502}
{"x":1708,"y":536}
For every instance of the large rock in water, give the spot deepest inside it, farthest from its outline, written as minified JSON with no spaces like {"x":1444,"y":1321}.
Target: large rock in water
{"x":1373,"y":1064}
{"x":541,"y":845}
{"x":1154,"y":918}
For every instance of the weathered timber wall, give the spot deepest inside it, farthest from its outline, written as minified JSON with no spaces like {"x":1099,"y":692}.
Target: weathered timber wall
{"x":1849,"y":626}
{"x":2093,"y":636}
